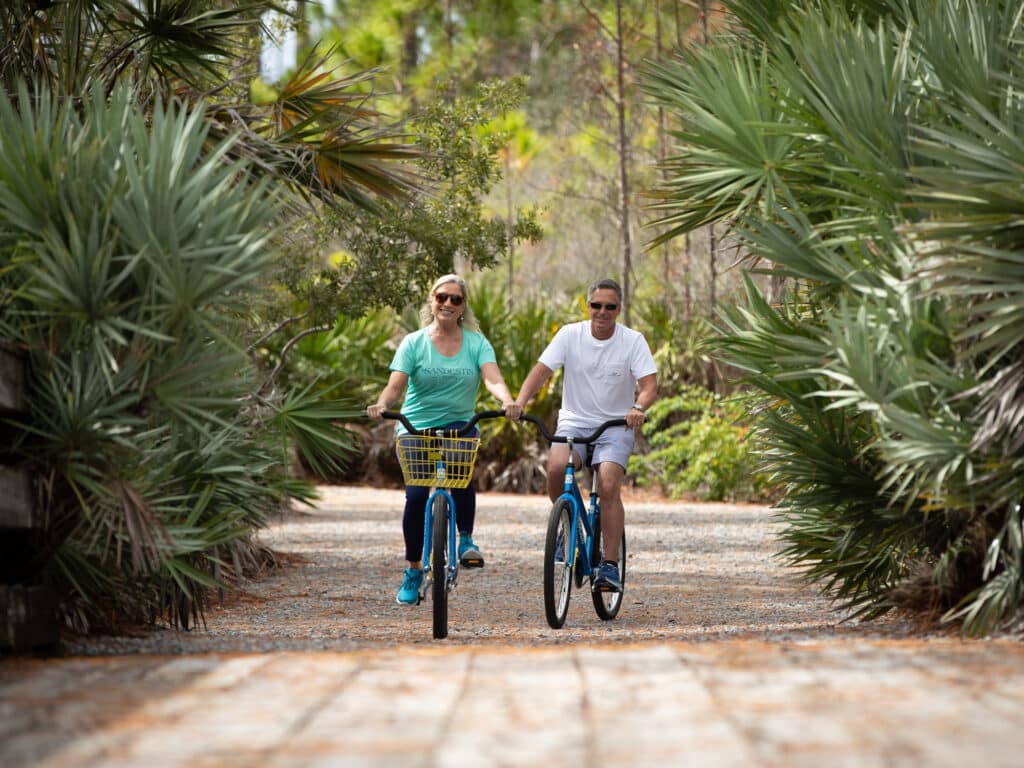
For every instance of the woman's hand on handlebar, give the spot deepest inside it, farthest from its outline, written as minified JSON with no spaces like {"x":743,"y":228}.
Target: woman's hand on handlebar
{"x":374,"y":411}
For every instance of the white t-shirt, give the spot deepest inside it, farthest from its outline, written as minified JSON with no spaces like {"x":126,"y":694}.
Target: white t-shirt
{"x":600,"y":376}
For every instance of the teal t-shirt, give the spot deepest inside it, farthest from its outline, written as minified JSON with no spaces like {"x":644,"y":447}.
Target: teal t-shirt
{"x":441,"y":389}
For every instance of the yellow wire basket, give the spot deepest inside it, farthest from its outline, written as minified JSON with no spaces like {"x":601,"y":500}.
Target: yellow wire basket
{"x":440,"y":462}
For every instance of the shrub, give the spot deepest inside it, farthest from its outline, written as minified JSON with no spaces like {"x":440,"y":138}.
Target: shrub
{"x":699,"y":446}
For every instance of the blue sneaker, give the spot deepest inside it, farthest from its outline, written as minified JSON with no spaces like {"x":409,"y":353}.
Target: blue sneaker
{"x":469,"y":553}
{"x":607,"y":578}
{"x":409,"y":594}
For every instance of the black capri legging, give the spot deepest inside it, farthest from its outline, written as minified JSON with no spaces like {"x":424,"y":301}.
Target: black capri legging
{"x":415,"y":514}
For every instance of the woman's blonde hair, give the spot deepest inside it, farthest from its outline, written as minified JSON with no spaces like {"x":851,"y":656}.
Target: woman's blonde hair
{"x":468,"y":319}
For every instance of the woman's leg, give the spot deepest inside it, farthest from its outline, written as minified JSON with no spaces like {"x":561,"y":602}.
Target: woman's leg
{"x":412,"y":521}
{"x":465,"y":508}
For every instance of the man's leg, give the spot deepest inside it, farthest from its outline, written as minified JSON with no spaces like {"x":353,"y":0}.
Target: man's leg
{"x":613,"y":517}
{"x":556,"y":469}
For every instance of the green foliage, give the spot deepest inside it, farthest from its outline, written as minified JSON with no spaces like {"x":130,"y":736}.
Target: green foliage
{"x":390,"y":255}
{"x":679,"y":343}
{"x":352,"y":358}
{"x":877,"y":182}
{"x":129,"y":250}
{"x":700,"y":447}
{"x":518,"y":336}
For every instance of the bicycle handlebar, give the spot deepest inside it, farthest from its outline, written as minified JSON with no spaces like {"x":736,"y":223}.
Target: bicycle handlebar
{"x":461,"y":432}
{"x":542,"y":427}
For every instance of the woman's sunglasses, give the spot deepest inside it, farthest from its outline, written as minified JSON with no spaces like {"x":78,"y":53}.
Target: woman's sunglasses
{"x":454,"y":298}
{"x":596,"y":305}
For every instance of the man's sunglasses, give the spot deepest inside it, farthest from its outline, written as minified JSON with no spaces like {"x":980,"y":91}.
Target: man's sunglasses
{"x":454,"y":298}
{"x":596,"y":305}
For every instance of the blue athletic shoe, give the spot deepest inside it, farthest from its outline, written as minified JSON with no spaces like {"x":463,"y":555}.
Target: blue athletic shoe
{"x":409,"y":594}
{"x":607,"y":578}
{"x":469,"y":553}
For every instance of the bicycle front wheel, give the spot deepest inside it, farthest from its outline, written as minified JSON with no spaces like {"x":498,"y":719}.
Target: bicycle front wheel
{"x":557,"y":574}
{"x":607,"y":604}
{"x":439,"y":557}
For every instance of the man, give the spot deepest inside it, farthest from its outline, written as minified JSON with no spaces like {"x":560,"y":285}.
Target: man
{"x":609,"y":374}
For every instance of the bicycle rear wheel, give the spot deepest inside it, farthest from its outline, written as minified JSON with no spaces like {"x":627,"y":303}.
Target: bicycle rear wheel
{"x":558,"y":549}
{"x":439,"y":556}
{"x":607,"y":604}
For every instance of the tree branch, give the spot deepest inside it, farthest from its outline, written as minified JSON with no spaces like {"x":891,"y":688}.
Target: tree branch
{"x":597,"y":20}
{"x":288,"y":348}
{"x":278,"y":328}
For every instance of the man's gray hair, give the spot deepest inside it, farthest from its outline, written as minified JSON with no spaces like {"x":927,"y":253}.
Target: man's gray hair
{"x":606,"y":284}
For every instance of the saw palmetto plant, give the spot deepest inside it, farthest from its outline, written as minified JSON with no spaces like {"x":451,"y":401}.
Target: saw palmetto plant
{"x":141,"y":192}
{"x":870,"y":153}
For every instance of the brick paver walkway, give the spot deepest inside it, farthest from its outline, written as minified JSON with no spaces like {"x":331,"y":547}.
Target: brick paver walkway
{"x":725,"y":670}
{"x":735,"y":703}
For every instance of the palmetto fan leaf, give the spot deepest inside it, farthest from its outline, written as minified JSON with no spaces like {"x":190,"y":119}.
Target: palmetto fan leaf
{"x":320,"y":140}
{"x":320,"y":137}
{"x":175,"y":41}
{"x":897,"y":359}
{"x":733,"y":142}
{"x":125,"y":294}
{"x":314,"y":90}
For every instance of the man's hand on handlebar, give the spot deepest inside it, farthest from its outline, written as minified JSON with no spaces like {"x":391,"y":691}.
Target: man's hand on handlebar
{"x":635,"y":418}
{"x":374,"y":411}
{"x":512,"y":409}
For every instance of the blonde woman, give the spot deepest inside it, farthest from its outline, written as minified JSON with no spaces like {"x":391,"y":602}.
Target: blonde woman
{"x":442,"y":365}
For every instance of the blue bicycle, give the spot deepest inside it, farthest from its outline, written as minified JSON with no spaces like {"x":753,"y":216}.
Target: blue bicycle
{"x":572,"y":550}
{"x":439,"y":459}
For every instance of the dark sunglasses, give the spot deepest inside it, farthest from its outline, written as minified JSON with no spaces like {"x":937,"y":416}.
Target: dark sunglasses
{"x":454,"y":298}
{"x":596,"y":305}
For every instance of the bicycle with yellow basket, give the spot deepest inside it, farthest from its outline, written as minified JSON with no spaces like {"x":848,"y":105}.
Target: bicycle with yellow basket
{"x":439,"y":459}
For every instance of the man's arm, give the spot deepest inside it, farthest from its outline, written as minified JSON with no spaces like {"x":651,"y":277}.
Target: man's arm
{"x":647,"y":393}
{"x":534,"y":381}
{"x":647,"y":390}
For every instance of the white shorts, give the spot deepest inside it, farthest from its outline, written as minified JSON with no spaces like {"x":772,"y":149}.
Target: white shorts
{"x":615,"y":444}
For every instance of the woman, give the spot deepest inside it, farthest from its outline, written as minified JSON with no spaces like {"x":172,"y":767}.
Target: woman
{"x":442,"y":364}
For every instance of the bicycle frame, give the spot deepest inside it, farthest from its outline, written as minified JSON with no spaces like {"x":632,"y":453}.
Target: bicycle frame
{"x":440,"y":472}
{"x":582,"y":524}
{"x":584,"y":539}
{"x":581,"y":532}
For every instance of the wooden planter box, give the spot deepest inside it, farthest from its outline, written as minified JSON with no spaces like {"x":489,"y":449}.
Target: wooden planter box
{"x":28,"y":612}
{"x":28,"y":619}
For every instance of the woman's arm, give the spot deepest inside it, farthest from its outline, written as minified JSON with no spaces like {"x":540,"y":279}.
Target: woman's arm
{"x":391,"y":392}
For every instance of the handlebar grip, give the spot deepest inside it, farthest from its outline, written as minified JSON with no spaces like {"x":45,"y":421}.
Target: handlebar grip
{"x":397,"y":416}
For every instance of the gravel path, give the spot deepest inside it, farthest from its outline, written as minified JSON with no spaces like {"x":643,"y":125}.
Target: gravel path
{"x":696,"y":572}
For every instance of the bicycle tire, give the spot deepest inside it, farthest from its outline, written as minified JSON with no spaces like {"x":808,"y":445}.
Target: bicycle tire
{"x":557,"y":574}
{"x":439,"y":565}
{"x":607,"y":604}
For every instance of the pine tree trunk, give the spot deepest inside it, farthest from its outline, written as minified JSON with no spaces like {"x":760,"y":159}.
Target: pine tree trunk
{"x":627,"y":245}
